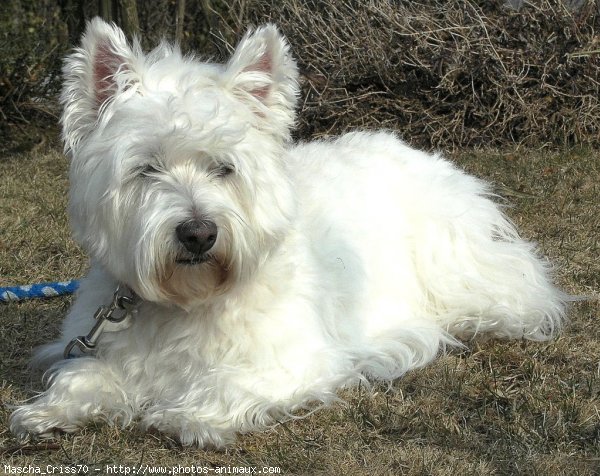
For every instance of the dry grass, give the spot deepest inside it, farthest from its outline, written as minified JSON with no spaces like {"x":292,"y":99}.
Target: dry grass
{"x":498,"y":408}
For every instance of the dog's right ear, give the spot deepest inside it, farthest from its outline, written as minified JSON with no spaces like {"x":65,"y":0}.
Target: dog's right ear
{"x":95,"y":74}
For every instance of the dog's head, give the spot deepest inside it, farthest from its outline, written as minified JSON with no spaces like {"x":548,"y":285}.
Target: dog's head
{"x":178,"y":181}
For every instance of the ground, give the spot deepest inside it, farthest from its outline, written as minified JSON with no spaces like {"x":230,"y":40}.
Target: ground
{"x":496,"y":408}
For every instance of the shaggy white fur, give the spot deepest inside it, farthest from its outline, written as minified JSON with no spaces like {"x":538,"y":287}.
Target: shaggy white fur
{"x":272,"y":274}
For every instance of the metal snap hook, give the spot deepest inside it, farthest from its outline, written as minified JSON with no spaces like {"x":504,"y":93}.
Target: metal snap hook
{"x":123,"y":302}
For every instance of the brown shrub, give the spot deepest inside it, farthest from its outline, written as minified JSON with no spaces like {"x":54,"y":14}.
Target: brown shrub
{"x":444,"y":72}
{"x":32,"y":41}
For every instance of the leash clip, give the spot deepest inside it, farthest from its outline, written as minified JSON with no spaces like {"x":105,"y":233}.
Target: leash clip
{"x":125,"y":300}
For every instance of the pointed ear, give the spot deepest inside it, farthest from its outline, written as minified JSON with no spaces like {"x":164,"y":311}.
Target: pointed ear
{"x":263,"y":74}
{"x":94,"y":75}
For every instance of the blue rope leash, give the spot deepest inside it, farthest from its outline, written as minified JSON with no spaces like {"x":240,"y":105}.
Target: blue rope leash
{"x":41,"y":290}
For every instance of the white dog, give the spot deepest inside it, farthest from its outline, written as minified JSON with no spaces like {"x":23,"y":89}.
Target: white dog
{"x":264,"y":275}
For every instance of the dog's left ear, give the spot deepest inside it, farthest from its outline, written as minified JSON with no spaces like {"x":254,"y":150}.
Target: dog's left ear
{"x":263,"y":74}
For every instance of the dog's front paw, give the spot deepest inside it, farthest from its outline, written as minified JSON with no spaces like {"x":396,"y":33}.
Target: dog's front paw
{"x":189,"y":429}
{"x":39,"y":421}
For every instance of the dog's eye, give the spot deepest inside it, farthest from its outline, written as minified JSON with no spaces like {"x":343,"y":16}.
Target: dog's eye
{"x":223,"y":170}
{"x":147,"y":170}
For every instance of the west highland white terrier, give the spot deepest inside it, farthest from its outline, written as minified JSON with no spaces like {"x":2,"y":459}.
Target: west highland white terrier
{"x":257,"y":277}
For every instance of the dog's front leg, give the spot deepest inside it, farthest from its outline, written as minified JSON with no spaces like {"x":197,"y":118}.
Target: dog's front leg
{"x":80,"y":390}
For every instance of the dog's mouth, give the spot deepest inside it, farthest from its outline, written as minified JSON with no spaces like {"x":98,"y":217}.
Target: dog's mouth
{"x":192,"y":260}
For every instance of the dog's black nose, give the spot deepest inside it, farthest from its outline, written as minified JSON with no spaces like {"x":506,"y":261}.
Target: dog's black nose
{"x":198,"y":236}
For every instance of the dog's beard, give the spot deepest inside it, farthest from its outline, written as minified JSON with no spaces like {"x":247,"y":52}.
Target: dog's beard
{"x":163,"y":271}
{"x":195,"y":280}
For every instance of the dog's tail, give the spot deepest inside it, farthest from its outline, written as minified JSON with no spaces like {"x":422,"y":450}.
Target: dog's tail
{"x":480,"y":276}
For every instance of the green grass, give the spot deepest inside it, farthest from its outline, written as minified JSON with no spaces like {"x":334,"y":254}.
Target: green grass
{"x":498,"y":408}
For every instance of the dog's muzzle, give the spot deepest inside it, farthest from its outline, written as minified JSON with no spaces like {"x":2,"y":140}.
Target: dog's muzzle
{"x":197,"y":237}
